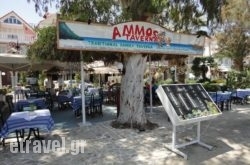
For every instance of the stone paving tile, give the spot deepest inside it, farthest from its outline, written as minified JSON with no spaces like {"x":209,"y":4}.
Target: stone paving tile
{"x":228,"y":133}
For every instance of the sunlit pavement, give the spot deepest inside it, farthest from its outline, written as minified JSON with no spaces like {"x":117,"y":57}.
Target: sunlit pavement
{"x":228,"y":134}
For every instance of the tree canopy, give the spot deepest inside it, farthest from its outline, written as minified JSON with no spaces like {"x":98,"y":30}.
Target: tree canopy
{"x":177,"y":15}
{"x":234,"y":37}
{"x":181,"y":15}
{"x":45,"y":48}
{"x":200,"y":67}
{"x":101,"y":11}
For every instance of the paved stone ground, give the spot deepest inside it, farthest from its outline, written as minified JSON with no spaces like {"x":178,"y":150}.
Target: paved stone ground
{"x":229,"y":133}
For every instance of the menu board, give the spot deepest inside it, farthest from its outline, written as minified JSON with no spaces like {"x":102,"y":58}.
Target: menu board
{"x":188,"y":100}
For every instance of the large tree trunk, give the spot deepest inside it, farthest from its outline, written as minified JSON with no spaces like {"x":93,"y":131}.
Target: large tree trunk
{"x":131,"y":95}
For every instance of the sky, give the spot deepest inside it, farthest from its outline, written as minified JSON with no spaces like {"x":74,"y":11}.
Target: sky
{"x":24,"y":9}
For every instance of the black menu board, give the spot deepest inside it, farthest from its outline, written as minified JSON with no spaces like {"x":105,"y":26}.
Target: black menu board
{"x":190,"y":100}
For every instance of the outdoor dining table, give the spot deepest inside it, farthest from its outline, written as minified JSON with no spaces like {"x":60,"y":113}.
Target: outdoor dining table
{"x":63,"y":99}
{"x":32,"y":120}
{"x":41,"y":119}
{"x":93,"y":90}
{"x":221,"y":98}
{"x":241,"y":94}
{"x":93,"y":104}
{"x":38,"y":102}
{"x":77,"y":102}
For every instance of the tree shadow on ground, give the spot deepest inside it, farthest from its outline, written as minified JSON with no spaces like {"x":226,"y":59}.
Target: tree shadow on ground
{"x":228,"y":133}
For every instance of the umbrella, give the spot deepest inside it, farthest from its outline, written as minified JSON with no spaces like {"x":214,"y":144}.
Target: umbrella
{"x":13,"y":62}
{"x":104,"y":70}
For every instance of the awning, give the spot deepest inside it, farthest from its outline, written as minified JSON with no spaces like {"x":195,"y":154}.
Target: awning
{"x":104,"y":70}
{"x":13,"y":62}
{"x":19,"y":62}
{"x":6,"y":58}
{"x":224,"y":68}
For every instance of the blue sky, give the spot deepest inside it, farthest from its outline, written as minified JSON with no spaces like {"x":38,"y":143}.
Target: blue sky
{"x":23,"y":9}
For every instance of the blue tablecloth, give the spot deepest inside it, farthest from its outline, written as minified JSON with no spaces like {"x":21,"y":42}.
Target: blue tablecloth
{"x":64,"y":98}
{"x":219,"y":96}
{"x":39,"y":103}
{"x":77,"y":102}
{"x":93,"y":91}
{"x":221,"y":99}
{"x":223,"y":96}
{"x":25,"y":120}
{"x":241,"y":93}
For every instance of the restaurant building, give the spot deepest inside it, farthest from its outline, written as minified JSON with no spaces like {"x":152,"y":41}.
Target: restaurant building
{"x":15,"y":37}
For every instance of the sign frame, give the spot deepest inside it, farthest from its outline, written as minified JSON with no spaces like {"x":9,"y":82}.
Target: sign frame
{"x":171,"y":111}
{"x":176,"y":121}
{"x":128,"y":37}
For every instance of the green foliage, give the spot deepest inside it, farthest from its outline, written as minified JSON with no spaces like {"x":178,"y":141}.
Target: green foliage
{"x":234,"y":43}
{"x":239,"y":79}
{"x":178,"y":15}
{"x":22,"y":79}
{"x":45,"y":48}
{"x":234,"y":80}
{"x":3,"y":91}
{"x":236,"y":11}
{"x":190,"y":81}
{"x":102,"y":11}
{"x":196,"y":67}
{"x":211,"y":87}
{"x":167,"y":81}
{"x":141,"y":9}
{"x":77,"y":77}
{"x":182,"y":14}
{"x":200,"y":67}
{"x":234,"y":40}
{"x":41,"y":78}
{"x":212,"y":8}
{"x":219,"y":81}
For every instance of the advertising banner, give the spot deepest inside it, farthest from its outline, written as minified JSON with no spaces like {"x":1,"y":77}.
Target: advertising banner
{"x":134,"y":37}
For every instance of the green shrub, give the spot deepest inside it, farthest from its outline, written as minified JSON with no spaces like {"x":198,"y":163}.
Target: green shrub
{"x":167,"y":81}
{"x":190,"y":81}
{"x":211,"y":87}
{"x":3,"y":91}
{"x":220,"y":81}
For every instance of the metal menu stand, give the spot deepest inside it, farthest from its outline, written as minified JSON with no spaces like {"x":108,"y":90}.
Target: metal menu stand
{"x":187,"y":104}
